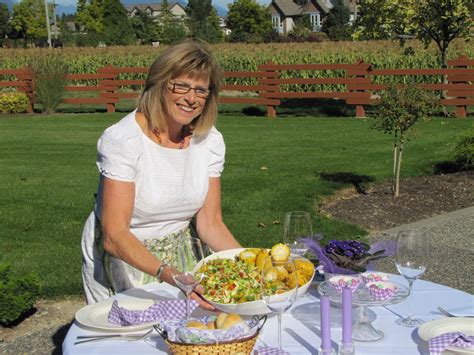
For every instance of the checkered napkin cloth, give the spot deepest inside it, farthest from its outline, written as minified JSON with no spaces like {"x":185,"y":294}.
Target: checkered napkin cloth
{"x":267,"y":350}
{"x":457,"y":339}
{"x":158,"y":312}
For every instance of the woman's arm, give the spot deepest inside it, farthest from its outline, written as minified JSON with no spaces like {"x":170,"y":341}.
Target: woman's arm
{"x":209,"y":223}
{"x":118,"y":200}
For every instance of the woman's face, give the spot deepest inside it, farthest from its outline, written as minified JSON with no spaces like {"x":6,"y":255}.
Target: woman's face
{"x":183,"y":107}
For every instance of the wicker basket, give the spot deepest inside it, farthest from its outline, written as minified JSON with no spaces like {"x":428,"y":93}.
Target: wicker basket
{"x":239,"y":346}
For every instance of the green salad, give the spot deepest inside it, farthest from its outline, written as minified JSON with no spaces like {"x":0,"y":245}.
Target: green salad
{"x":230,"y":281}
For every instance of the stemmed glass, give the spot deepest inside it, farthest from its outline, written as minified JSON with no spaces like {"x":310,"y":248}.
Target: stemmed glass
{"x":279,"y":288}
{"x":189,"y":251}
{"x":297,"y":225}
{"x":411,"y":257}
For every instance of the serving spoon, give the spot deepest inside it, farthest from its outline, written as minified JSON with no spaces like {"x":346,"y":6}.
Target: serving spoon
{"x":449,"y":314}
{"x":129,"y":337}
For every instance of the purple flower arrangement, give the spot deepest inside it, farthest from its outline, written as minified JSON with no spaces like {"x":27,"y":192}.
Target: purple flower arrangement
{"x":349,"y":256}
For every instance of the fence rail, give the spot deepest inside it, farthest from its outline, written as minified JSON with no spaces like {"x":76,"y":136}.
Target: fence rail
{"x":357,"y":84}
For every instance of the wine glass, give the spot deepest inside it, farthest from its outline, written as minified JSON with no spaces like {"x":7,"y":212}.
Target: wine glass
{"x":411,"y":257}
{"x":297,"y":225}
{"x":189,"y":251}
{"x":279,"y":287}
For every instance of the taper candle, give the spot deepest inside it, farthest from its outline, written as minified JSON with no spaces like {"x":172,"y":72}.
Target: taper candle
{"x":325,"y":324}
{"x":346,"y":316}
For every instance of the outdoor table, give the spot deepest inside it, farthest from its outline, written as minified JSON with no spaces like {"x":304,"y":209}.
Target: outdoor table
{"x":300,"y":324}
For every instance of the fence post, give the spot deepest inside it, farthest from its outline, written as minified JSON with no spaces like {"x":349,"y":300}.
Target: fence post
{"x":361,"y":72}
{"x":110,"y":88}
{"x":29,"y":90}
{"x":271,"y":111}
{"x":461,"y":111}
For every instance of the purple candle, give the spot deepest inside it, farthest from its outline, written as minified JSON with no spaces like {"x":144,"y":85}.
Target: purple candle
{"x":346,"y":316}
{"x":325,"y":324}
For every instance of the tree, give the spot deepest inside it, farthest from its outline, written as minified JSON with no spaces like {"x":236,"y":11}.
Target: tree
{"x":144,"y":27}
{"x":203,"y":21}
{"x":90,"y":15}
{"x":246,"y":18}
{"x":302,"y":28}
{"x":29,"y":20}
{"x":4,"y":19}
{"x":398,"y":111}
{"x":336,"y":25}
{"x":171,"y":29}
{"x":116,"y":28}
{"x":440,"y":21}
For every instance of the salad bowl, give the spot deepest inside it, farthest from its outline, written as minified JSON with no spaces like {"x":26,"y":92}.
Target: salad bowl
{"x":249,"y":308}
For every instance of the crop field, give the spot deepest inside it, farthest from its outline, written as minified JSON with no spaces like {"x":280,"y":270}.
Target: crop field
{"x":241,"y":57}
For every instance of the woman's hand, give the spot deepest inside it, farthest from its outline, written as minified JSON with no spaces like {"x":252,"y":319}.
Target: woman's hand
{"x":197,"y":296}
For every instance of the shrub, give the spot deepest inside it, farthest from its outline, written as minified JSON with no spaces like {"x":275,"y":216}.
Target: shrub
{"x":14,"y":102}
{"x":464,"y":151}
{"x":49,"y":77}
{"x":17,"y":295}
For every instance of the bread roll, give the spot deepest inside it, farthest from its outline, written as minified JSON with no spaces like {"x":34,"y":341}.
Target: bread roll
{"x":211,"y":325}
{"x":196,"y":324}
{"x":226,"y":321}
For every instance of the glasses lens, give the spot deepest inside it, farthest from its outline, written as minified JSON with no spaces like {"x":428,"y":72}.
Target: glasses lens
{"x":178,"y":88}
{"x":202,"y":93}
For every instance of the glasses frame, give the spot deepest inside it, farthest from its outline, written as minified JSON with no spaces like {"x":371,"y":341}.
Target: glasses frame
{"x":184,"y":89}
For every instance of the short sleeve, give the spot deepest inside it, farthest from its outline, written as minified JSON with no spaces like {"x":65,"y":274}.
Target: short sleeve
{"x":118,"y":156}
{"x":216,"y":146}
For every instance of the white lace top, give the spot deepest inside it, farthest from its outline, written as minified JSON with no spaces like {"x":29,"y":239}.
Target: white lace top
{"x":170,"y":184}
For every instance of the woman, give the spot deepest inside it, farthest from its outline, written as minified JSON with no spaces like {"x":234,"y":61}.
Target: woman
{"x":159,"y":166}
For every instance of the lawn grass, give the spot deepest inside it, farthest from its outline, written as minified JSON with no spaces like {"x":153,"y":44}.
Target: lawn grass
{"x":48,"y":178}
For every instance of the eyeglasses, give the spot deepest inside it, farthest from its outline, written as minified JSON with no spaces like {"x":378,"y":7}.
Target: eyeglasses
{"x":180,"y":88}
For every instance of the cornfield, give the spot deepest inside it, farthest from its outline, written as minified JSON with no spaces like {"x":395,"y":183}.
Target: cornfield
{"x":247,"y":57}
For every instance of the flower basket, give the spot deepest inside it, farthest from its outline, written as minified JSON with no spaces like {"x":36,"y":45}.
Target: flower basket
{"x":349,"y":257}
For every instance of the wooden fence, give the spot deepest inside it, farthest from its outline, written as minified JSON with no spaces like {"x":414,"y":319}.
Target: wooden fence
{"x":357,"y":84}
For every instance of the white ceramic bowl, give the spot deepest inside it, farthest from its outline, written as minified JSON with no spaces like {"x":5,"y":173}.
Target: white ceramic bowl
{"x":245,"y":308}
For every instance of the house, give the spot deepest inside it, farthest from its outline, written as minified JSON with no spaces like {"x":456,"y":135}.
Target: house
{"x":154,"y":10}
{"x":285,"y":12}
{"x":223,"y":26}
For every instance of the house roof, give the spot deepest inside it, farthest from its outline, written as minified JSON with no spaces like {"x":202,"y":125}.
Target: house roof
{"x":319,"y":4}
{"x":287,"y":7}
{"x":290,"y":8}
{"x":322,"y":5}
{"x":154,"y":7}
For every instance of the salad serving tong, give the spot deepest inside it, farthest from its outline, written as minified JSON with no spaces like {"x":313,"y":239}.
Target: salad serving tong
{"x":129,"y":337}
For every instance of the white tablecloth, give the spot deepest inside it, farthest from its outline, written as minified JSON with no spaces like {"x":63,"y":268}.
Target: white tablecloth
{"x":301,"y":331}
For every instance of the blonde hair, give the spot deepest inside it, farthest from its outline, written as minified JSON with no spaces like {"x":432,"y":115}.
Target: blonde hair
{"x":191,"y":58}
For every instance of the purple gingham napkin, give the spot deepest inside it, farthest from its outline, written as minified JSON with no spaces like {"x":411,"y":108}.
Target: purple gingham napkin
{"x":157,"y":312}
{"x":457,"y":339}
{"x":268,"y":350}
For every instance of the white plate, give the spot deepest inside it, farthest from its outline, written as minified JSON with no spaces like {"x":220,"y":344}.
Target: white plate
{"x":428,"y":330}
{"x":245,"y":308}
{"x":95,"y":316}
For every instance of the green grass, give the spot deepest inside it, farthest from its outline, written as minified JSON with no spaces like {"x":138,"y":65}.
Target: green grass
{"x":48,"y":178}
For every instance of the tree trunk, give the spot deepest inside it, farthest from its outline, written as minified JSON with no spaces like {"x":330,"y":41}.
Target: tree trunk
{"x":399,"y":163}
{"x":394,"y":174}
